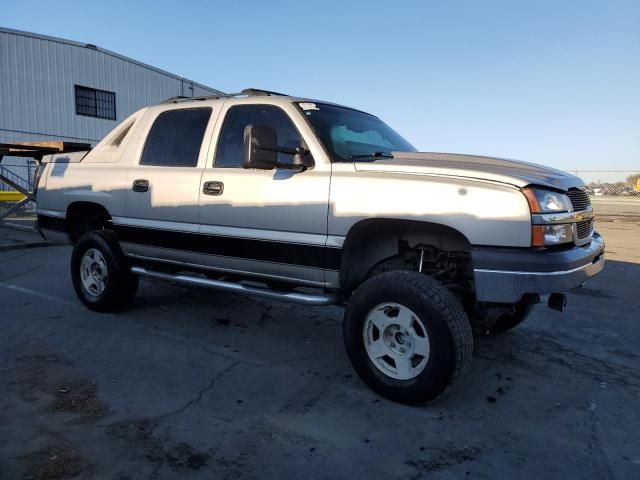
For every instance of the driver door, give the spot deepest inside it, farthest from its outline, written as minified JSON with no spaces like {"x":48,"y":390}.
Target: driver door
{"x":269,"y":223}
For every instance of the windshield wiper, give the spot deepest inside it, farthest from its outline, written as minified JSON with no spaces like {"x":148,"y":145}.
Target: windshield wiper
{"x":371,"y":155}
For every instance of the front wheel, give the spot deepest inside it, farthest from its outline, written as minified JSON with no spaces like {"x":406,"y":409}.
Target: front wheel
{"x":101,"y":273}
{"x":407,"y":336}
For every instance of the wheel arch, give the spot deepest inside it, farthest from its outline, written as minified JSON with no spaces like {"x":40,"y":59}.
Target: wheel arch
{"x":372,"y":240}
{"x":83,"y":216}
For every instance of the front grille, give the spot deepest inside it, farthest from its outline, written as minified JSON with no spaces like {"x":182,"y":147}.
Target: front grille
{"x":579,"y":199}
{"x":584,"y":229}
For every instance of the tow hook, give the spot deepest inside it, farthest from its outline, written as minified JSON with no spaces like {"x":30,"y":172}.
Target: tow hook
{"x":557,"y":301}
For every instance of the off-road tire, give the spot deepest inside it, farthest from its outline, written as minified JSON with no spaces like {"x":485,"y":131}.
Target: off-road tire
{"x":448,"y":328}
{"x":120,"y":286}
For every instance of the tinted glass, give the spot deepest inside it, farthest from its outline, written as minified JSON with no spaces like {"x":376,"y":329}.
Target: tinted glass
{"x":230,"y":144}
{"x":351,"y":135}
{"x":176,"y":137}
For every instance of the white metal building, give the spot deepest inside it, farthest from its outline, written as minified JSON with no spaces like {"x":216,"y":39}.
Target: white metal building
{"x":55,"y":89}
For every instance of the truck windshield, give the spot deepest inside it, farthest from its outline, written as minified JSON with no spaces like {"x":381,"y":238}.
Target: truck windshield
{"x":350,"y":135}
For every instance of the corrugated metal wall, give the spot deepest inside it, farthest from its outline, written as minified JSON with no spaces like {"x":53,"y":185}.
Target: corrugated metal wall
{"x":37,"y":79}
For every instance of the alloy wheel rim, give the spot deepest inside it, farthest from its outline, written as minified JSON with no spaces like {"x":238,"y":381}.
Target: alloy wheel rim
{"x":93,"y":272}
{"x":396,"y":341}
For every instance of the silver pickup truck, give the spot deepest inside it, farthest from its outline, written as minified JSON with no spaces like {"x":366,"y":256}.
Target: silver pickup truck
{"x":311,"y":202}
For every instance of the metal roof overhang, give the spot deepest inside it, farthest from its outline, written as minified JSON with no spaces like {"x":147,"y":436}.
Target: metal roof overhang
{"x":37,"y":150}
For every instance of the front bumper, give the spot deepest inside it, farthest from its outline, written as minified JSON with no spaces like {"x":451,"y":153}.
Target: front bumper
{"x":506,"y":275}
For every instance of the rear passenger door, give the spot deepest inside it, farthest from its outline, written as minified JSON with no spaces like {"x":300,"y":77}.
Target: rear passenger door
{"x":162,"y":199}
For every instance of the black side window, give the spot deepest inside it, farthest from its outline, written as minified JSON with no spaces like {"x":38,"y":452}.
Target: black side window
{"x":229,"y":151}
{"x":175,"y":138}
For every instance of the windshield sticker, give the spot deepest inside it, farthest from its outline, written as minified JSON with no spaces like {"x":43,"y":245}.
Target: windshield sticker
{"x":308,"y":106}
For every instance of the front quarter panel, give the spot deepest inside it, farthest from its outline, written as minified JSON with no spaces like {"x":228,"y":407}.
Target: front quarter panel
{"x":486,"y":213}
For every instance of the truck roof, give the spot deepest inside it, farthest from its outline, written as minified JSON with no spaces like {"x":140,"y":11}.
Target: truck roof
{"x":250,"y":93}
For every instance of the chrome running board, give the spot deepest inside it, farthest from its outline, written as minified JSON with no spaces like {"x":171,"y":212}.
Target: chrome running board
{"x":295,"y":297}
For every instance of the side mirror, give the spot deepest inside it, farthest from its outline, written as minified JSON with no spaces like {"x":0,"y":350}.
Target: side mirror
{"x":260,"y":147}
{"x":261,"y":151}
{"x":302,"y":160}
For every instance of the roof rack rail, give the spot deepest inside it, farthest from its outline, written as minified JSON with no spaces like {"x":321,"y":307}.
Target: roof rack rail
{"x":258,"y":92}
{"x":180,"y":98}
{"x":250,"y":92}
{"x":174,"y":99}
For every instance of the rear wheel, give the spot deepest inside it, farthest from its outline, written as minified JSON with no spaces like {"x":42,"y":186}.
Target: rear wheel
{"x":407,"y":336}
{"x":101,"y":273}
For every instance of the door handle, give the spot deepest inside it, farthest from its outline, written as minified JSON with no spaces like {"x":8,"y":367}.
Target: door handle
{"x":213,"y":188}
{"x":140,"y":185}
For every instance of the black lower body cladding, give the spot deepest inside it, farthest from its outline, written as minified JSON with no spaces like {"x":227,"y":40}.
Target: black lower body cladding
{"x":316,"y":256}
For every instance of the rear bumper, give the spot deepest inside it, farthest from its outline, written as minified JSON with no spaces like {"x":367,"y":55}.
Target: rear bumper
{"x":506,"y":275}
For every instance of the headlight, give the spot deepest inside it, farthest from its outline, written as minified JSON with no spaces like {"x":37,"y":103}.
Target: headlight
{"x":549,"y":207}
{"x":546,"y":201}
{"x":546,"y":235}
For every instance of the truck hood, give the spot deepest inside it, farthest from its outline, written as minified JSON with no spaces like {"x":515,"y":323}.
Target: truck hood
{"x":501,"y":170}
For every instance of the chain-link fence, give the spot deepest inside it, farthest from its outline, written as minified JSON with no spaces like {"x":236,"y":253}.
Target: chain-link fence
{"x":614,"y":193}
{"x":21,"y":173}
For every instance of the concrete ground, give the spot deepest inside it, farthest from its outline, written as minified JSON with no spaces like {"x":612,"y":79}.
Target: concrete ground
{"x":12,"y":238}
{"x":200,"y":384}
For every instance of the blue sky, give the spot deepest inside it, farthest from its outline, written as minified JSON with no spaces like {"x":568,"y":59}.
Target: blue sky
{"x":553,"y":82}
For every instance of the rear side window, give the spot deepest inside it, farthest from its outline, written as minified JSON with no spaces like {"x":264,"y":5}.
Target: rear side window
{"x":230,"y":144}
{"x":176,"y":137}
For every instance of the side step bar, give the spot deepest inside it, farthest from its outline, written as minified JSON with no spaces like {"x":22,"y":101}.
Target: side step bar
{"x":295,"y":297}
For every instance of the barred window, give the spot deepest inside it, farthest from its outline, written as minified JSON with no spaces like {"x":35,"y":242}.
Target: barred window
{"x":95,"y":103}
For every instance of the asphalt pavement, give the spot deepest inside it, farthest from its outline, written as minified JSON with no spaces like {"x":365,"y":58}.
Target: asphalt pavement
{"x":12,"y":238}
{"x":192,"y":383}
